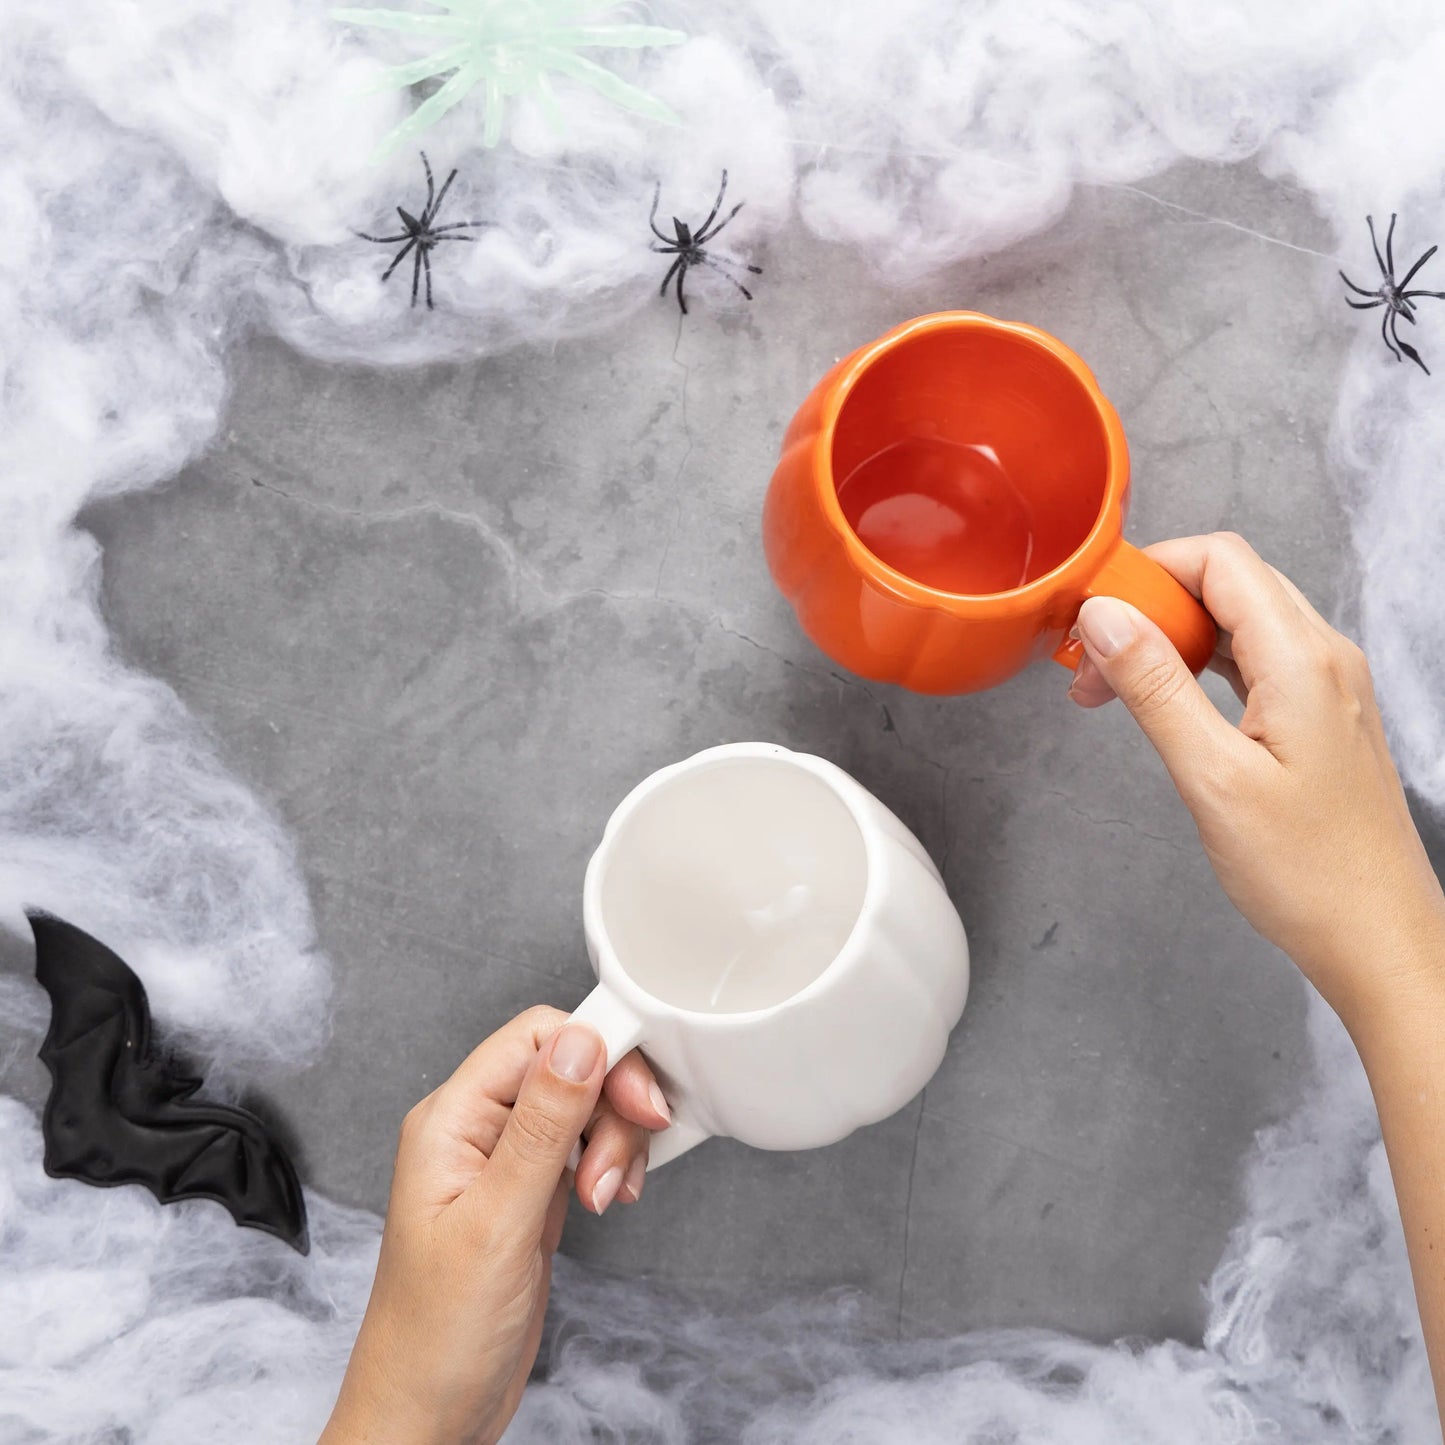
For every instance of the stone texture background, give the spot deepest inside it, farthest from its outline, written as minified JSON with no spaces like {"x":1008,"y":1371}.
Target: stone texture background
{"x":445,"y":618}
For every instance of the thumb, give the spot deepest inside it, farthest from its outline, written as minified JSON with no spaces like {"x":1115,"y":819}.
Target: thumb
{"x":1150,"y":678}
{"x":556,"y":1100}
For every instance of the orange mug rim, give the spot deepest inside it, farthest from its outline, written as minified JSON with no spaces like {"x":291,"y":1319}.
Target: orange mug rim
{"x":1098,"y":541}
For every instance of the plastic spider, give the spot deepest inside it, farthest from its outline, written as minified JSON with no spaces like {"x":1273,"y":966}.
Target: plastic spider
{"x":512,"y":47}
{"x":688,"y":245}
{"x":421,"y":235}
{"x":1392,"y":295}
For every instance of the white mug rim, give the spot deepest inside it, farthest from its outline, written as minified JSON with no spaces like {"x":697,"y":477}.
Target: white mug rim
{"x":610,"y":971}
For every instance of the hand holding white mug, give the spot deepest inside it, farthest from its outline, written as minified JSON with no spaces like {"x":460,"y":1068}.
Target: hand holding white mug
{"x":478,"y":1198}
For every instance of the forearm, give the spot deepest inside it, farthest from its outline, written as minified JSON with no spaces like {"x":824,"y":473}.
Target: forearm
{"x":1400,"y":1035}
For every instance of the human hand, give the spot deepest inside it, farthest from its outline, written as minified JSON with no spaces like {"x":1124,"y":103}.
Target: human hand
{"x":478,"y":1199}
{"x":1299,"y":808}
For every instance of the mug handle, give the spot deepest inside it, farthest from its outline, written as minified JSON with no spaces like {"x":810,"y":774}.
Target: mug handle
{"x":622,"y":1031}
{"x":1131,"y":576}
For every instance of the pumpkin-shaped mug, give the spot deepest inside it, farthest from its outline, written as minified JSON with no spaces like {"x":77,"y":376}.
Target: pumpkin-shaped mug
{"x":777,"y":943}
{"x":946,"y":499}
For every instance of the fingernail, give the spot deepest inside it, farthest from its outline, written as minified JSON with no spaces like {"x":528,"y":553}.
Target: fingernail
{"x":575,"y":1053}
{"x":659,"y":1102}
{"x":605,"y":1190}
{"x":1107,"y":625}
{"x":636,"y":1173}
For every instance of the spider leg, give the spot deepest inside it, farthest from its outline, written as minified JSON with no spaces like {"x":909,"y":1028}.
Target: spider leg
{"x":1414,"y":356}
{"x":662,"y":290}
{"x":416,"y":272}
{"x":681,"y":275}
{"x":430,"y":188}
{"x":426,"y":266}
{"x":1379,"y":259}
{"x":434,"y":207}
{"x":1410,"y":274}
{"x":1410,"y":295}
{"x":435,"y":238}
{"x":722,"y":190}
{"x":708,"y":235}
{"x":743,"y":265}
{"x":708,"y":261}
{"x":382,"y":240}
{"x":652,"y":215}
{"x":671,"y":249}
{"x":1385,"y":335}
{"x":398,"y":259}
{"x":1365,"y":305}
{"x":1360,"y":289}
{"x":1390,"y":249}
{"x":457,"y":226}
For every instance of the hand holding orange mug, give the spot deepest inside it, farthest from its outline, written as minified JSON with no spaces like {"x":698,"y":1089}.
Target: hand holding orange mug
{"x":946,"y":499}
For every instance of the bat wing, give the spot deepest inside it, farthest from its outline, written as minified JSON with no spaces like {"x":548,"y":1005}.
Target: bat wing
{"x":119,"y":1114}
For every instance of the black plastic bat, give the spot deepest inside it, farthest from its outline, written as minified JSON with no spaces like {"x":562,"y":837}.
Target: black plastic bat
{"x":119,"y":1114}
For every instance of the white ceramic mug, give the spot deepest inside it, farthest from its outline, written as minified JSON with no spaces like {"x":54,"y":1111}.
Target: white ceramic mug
{"x":776,"y":942}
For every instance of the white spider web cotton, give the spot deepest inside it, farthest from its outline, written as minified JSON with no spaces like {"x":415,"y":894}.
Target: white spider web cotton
{"x":171,"y":173}
{"x":114,"y":810}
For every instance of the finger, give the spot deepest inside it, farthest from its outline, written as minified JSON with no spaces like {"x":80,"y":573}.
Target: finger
{"x":553,"y":1106}
{"x":1091,"y":690}
{"x":614,"y":1147}
{"x":1143,"y":667}
{"x":1089,"y":687}
{"x":556,"y":1215}
{"x":1244,"y":595}
{"x":1303,"y":603}
{"x":477,"y":1100}
{"x":1228,"y":669}
{"x":633,"y":1091}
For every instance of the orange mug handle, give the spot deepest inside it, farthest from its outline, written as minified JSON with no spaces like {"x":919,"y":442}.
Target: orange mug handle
{"x":1129,"y":575}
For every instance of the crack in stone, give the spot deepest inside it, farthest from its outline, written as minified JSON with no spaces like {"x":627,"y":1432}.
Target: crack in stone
{"x":908,"y":1211}
{"x":518,"y":571}
{"x":715,"y":620}
{"x":1170,"y":365}
{"x":1125,"y":823}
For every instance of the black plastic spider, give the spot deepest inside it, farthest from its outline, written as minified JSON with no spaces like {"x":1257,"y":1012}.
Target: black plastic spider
{"x":420,"y":235}
{"x":1392,"y":295}
{"x":688,"y":245}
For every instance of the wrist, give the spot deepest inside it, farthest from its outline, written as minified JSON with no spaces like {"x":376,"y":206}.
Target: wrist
{"x":373,"y":1409}
{"x":382,"y":1403}
{"x":1392,"y":973}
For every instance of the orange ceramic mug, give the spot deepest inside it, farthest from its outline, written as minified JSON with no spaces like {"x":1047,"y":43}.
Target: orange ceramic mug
{"x":946,"y":499}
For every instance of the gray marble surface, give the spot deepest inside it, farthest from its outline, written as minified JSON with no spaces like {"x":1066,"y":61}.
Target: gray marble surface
{"x":445,"y":618}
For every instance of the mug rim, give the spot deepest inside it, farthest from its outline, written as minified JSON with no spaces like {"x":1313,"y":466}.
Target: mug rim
{"x":620,"y":979}
{"x":1014,"y":600}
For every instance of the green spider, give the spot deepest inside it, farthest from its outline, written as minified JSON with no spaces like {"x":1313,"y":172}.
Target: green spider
{"x":512,"y":47}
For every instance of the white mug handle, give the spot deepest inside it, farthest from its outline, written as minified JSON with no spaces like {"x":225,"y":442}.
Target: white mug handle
{"x":622,"y":1031}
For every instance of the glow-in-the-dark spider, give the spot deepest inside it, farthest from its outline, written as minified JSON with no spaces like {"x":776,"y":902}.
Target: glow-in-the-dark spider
{"x":512,"y":47}
{"x":1392,"y":295}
